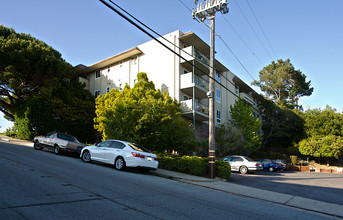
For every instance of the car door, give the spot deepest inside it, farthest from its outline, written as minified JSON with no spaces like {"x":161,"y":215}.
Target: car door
{"x":236,"y":162}
{"x":113,"y":150}
{"x":99,"y":152}
{"x":50,"y":141}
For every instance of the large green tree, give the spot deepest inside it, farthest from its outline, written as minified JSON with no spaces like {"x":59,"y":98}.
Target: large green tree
{"x":281,"y":82}
{"x":37,"y":90}
{"x":324,"y":130}
{"x":242,"y":118}
{"x":27,"y":67}
{"x":143,"y":115}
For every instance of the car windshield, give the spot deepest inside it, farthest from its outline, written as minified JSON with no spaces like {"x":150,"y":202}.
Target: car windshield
{"x":137,"y":147}
{"x":66,"y":137}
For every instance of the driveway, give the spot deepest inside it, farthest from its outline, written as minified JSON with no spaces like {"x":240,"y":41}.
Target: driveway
{"x":324,"y":187}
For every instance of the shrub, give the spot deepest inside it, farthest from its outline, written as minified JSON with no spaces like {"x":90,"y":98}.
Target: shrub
{"x":193,"y":165}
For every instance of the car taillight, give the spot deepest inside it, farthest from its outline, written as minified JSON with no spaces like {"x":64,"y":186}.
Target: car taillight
{"x":256,"y":165}
{"x":155,"y":158}
{"x":137,"y":155}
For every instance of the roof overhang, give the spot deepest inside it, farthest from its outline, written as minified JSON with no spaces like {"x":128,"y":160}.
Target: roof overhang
{"x":243,"y":86}
{"x":111,"y":60}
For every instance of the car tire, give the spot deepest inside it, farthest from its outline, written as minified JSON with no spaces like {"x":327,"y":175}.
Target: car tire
{"x":119,"y":163}
{"x":271,"y":169}
{"x":57,"y":150}
{"x":243,"y":170}
{"x":86,"y":156}
{"x":37,"y":145}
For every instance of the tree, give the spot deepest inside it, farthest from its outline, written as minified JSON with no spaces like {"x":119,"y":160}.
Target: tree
{"x":27,"y":67}
{"x":285,"y":85}
{"x":281,"y":126}
{"x":242,"y":118}
{"x":228,"y":140}
{"x":145,"y":116}
{"x":36,"y":89}
{"x":324,"y":130}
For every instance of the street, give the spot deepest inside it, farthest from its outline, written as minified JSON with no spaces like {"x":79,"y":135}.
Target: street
{"x":325,"y":187}
{"x":39,"y":185}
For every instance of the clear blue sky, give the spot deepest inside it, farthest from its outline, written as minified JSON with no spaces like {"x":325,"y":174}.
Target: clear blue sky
{"x":308,"y":32}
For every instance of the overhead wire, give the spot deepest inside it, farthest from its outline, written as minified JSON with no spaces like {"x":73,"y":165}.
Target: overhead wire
{"x":227,"y":46}
{"x":150,"y":35}
{"x":259,"y":39}
{"x":259,"y":24}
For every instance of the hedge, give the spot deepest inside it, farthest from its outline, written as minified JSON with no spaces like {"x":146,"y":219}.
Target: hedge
{"x":193,"y":165}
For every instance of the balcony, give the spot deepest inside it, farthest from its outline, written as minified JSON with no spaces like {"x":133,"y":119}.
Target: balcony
{"x":201,"y":110}
{"x":247,"y":98}
{"x":201,"y":86}
{"x":191,"y":54}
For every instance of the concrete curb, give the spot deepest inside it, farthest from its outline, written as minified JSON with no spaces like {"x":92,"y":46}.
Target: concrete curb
{"x":264,"y":195}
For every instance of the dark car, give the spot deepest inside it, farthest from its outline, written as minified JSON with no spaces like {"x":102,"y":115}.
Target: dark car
{"x":283,"y":163}
{"x":270,"y":165}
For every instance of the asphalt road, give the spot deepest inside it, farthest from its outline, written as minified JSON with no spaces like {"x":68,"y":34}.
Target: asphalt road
{"x":40,"y":185}
{"x":325,"y":187}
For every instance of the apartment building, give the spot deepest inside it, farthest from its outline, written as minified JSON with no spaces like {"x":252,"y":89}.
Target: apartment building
{"x":186,"y":79}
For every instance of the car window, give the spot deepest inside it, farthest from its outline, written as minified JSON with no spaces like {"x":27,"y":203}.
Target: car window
{"x":237,"y":159}
{"x":105,"y":144}
{"x":117,"y":145}
{"x":137,"y":147}
{"x":249,"y":159}
{"x":51,"y":135}
{"x":66,"y":137}
{"x":227,"y":158}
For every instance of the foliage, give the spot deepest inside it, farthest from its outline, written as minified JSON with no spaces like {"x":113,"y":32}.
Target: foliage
{"x":281,"y":126}
{"x":285,"y":85}
{"x":193,"y":165}
{"x":11,"y":131}
{"x":143,"y":115}
{"x":27,"y":66}
{"x":324,"y":129}
{"x":228,"y":140}
{"x":242,"y":119}
{"x":69,"y":108}
{"x":36,"y":89}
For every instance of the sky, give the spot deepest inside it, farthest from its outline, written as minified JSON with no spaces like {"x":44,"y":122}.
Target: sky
{"x":255,"y":32}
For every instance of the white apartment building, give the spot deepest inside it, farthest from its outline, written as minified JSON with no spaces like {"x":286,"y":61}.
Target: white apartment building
{"x":187,"y":82}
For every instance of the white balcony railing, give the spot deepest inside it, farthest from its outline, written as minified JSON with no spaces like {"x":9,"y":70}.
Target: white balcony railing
{"x":187,"y":106}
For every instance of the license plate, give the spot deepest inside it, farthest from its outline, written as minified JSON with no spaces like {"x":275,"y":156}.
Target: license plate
{"x":149,"y":158}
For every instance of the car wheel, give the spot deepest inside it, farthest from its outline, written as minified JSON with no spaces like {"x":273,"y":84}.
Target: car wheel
{"x":86,"y":156}
{"x":119,"y":164}
{"x":37,"y":145}
{"x":271,"y":169}
{"x":243,"y":170}
{"x":57,"y":149}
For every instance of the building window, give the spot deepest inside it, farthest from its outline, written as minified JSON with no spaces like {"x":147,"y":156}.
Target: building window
{"x":218,"y":116}
{"x":135,"y":81}
{"x":107,"y":89}
{"x":236,"y":89}
{"x":218,"y":76}
{"x":120,"y":87}
{"x":97,"y":74}
{"x":218,"y":95}
{"x":96,"y":93}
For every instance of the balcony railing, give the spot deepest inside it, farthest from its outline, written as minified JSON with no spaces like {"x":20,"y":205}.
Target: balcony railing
{"x":201,"y":82}
{"x":187,"y":106}
{"x":192,"y":51}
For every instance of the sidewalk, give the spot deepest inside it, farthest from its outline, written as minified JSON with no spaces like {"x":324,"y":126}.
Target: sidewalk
{"x":224,"y":186}
{"x":264,"y":195}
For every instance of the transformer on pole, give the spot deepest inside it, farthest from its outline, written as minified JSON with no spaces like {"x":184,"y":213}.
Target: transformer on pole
{"x":207,"y":10}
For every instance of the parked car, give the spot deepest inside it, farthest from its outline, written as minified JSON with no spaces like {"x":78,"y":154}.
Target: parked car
{"x":271,"y":165}
{"x":283,"y":163}
{"x":121,"y":154}
{"x":243,"y":164}
{"x":59,"y":142}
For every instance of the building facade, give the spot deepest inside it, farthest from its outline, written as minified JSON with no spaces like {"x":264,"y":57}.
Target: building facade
{"x":184,"y":77}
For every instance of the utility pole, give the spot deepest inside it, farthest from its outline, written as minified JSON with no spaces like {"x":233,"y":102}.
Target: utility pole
{"x":207,"y":10}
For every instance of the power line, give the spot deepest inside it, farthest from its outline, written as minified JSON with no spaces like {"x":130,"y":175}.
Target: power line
{"x":150,"y":35}
{"x":259,"y":24}
{"x":227,"y":46}
{"x":259,"y":39}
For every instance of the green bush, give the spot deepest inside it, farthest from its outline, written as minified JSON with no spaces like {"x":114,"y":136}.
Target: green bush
{"x":11,"y":132}
{"x":193,"y":165}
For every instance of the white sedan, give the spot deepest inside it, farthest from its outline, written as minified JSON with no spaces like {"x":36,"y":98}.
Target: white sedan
{"x":121,"y":154}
